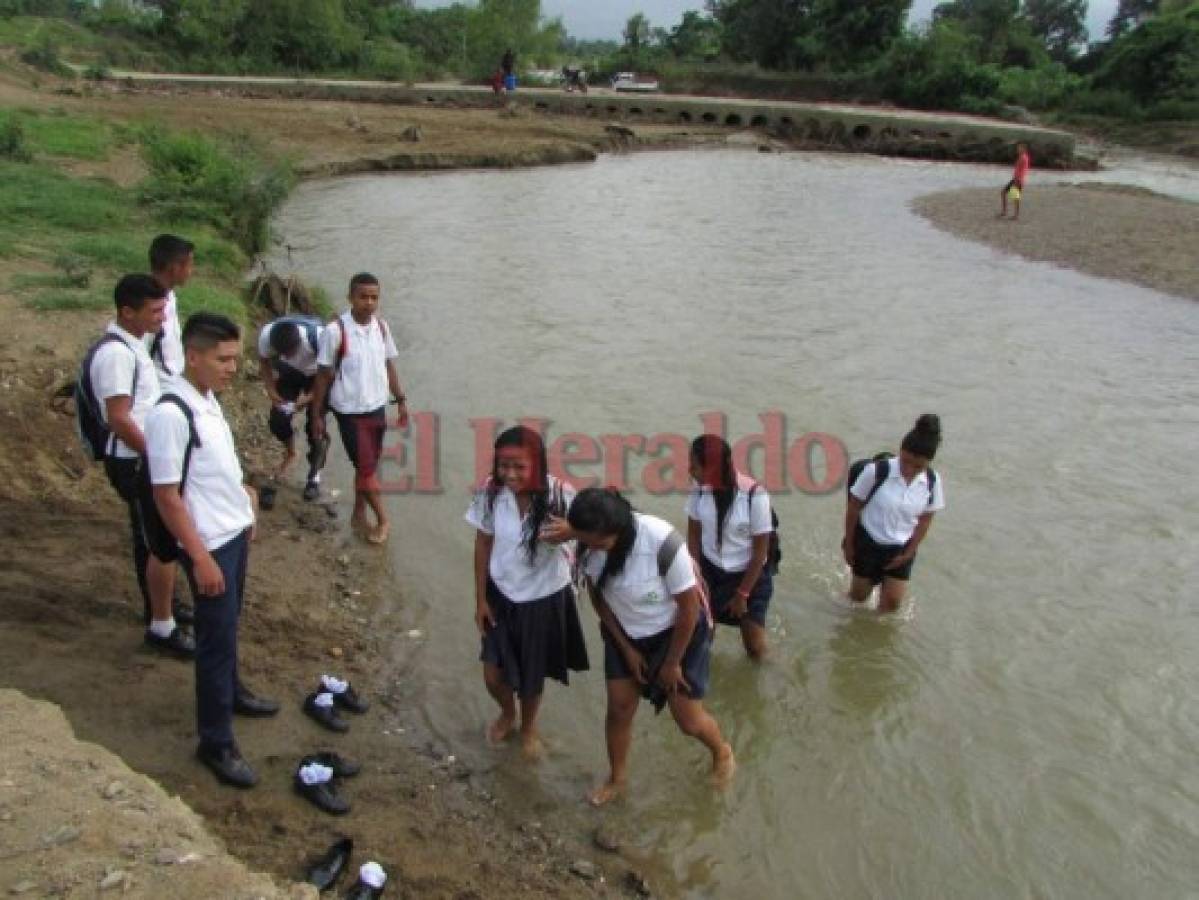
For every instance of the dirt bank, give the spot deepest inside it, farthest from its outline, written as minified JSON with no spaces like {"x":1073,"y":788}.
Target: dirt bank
{"x":1114,"y":231}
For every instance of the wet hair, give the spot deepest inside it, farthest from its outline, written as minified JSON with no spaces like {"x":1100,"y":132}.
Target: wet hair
{"x":362,"y":278}
{"x":715,"y":459}
{"x":284,"y":338}
{"x":605,"y":511}
{"x":134,"y":291}
{"x":202,"y":331}
{"x":530,"y":441}
{"x":167,"y":249}
{"x":924,"y":438}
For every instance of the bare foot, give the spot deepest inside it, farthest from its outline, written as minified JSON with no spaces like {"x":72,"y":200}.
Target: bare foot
{"x":723,"y":767}
{"x":379,"y":534}
{"x":531,"y":747}
{"x":606,"y":793}
{"x":285,"y":466}
{"x":499,"y":730}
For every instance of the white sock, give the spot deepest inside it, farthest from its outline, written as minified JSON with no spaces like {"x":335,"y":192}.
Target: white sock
{"x":162,"y":628}
{"x":316,"y":479}
{"x":372,"y":874}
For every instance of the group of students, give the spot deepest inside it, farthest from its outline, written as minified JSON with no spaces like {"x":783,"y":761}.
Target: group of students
{"x":658,"y":595}
{"x":169,"y":453}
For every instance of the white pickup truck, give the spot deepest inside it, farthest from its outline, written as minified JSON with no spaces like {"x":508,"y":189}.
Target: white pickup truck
{"x":631,"y":81}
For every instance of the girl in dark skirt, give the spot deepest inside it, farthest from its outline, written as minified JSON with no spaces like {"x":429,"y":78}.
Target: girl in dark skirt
{"x":655,"y":626}
{"x":891,"y":508}
{"x":524,"y":601}
{"x":728,"y":531}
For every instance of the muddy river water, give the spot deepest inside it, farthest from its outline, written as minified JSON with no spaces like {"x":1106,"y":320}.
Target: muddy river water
{"x":1027,"y":726}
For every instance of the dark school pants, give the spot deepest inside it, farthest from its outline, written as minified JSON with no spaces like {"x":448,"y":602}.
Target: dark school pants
{"x":122,"y":475}
{"x":290,"y":384}
{"x":215,"y":625}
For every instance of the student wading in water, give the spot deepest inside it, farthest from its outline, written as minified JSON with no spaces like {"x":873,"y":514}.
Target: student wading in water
{"x":655,"y":627}
{"x":524,"y":600}
{"x":728,"y":531}
{"x":891,"y":507}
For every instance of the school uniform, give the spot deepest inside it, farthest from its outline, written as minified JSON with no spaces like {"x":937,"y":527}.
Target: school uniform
{"x":723,"y":562}
{"x":295,"y":375}
{"x":642,"y":600}
{"x":888,"y":521}
{"x":123,"y":368}
{"x":537,"y":632}
{"x":223,"y":515}
{"x":166,"y":346}
{"x":358,"y":354}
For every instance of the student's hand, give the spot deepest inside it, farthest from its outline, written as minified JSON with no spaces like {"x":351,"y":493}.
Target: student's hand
{"x":556,"y":530}
{"x":900,"y":560}
{"x":672,"y":680}
{"x":303,"y":400}
{"x":402,"y":410}
{"x":847,"y":551}
{"x":739,"y":605}
{"x":210,"y":581}
{"x":484,"y":617}
{"x":636,"y":663}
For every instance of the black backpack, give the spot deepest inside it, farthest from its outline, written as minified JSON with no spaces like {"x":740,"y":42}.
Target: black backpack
{"x":774,"y":555}
{"x":94,"y":433}
{"x":309,"y":325}
{"x":159,"y":539}
{"x":882,"y":471}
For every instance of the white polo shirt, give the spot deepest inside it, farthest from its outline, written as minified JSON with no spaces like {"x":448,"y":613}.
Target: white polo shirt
{"x":641,"y":599}
{"x":360,"y":386}
{"x":218,"y":503}
{"x":518,"y":578}
{"x":112,"y":376}
{"x":892,"y":515}
{"x":741,"y":525}
{"x":304,"y":358}
{"x":169,"y":358}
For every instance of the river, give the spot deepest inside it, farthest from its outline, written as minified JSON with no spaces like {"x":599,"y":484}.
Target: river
{"x":1027,"y":727}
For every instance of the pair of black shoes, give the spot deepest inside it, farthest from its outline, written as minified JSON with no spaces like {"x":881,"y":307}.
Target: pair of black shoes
{"x":325,"y":872}
{"x":179,"y":643}
{"x":325,"y":796}
{"x":328,"y":716}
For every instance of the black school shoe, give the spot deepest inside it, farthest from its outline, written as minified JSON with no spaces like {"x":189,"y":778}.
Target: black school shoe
{"x":180,"y":644}
{"x":350,"y":701}
{"x":324,"y":715}
{"x":247,"y":703}
{"x":183,"y":612}
{"x":342,"y":767}
{"x":363,"y":891}
{"x":325,"y":871}
{"x":323,"y":796}
{"x":228,"y":765}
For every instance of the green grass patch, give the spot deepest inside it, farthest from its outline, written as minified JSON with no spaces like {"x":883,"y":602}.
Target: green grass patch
{"x":53,"y":134}
{"x":28,"y":281}
{"x":127,"y":251}
{"x":38,"y":198}
{"x":205,"y":297}
{"x":61,"y":300}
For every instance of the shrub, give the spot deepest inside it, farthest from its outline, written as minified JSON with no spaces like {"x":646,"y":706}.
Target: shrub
{"x":13,"y":144}
{"x":44,"y":55}
{"x":1044,"y":87}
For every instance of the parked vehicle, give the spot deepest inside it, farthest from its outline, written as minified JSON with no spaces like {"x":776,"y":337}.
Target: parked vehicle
{"x":631,"y":81}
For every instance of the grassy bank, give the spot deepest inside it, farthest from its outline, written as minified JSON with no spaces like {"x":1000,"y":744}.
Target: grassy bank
{"x":83,"y":197}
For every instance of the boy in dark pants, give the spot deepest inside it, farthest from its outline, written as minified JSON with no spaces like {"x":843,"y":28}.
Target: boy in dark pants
{"x":287,"y":350}
{"x":211,"y":513}
{"x":125,"y":387}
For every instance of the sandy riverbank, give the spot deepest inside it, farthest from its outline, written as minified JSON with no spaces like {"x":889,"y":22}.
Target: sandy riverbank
{"x":1114,"y":231}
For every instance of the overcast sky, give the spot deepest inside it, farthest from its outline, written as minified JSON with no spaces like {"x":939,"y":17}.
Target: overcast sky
{"x":605,"y":18}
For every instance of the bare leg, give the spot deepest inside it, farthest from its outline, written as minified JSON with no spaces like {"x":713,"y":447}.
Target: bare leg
{"x":501,"y":729}
{"x":1003,"y":203}
{"x":358,"y":520}
{"x":1015,"y":210}
{"x":753,"y":637}
{"x":379,"y":533}
{"x":289,"y":457}
{"x":623,"y":700}
{"x":530,"y":737}
{"x":891,"y":595}
{"x":695,"y":721}
{"x":160,"y":581}
{"x":859,"y":589}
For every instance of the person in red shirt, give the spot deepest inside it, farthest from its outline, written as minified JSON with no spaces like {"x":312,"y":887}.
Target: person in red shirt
{"x":1015,"y":188}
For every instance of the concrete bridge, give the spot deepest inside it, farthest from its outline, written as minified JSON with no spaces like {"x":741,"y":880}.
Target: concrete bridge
{"x":865,"y":129}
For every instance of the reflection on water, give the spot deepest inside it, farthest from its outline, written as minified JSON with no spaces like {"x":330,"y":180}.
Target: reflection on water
{"x":1028,"y":730}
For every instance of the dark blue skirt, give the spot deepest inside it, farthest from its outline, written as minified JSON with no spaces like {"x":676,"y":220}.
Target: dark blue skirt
{"x":533,"y":641}
{"x":722,"y":585}
{"x":695,"y":662}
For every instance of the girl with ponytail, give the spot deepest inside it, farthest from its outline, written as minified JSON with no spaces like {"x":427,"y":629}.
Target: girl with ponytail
{"x":891,"y":508}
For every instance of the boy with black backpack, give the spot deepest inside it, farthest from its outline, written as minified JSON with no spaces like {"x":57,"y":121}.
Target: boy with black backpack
{"x":204,"y":505}
{"x":116,"y":390}
{"x":287,"y":352}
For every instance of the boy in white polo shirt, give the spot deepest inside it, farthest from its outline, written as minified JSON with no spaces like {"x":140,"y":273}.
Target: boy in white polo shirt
{"x":172,"y":260}
{"x":356,"y":378}
{"x":125,"y":386}
{"x":287,"y":350}
{"x":201,"y":497}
